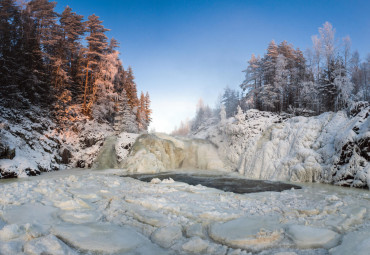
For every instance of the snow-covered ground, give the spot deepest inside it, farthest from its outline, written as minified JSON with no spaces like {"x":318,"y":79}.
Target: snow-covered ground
{"x":99,"y":212}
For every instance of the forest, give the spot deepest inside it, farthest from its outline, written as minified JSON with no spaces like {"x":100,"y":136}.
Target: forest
{"x":67,"y":65}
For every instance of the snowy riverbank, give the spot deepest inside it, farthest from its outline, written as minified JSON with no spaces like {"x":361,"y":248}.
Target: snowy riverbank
{"x":83,"y":211}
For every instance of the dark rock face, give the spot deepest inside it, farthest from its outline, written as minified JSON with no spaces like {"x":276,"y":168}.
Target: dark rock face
{"x":66,"y":155}
{"x":81,"y":164}
{"x":357,"y":108}
{"x":32,"y":172}
{"x":7,"y":175}
{"x":6,"y":152}
{"x":355,"y":153}
{"x":90,"y":141}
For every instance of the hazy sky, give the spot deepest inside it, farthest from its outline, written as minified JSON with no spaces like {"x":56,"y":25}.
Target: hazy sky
{"x":183,"y":50}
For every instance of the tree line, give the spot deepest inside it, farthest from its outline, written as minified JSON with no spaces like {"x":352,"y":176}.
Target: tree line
{"x":328,"y":77}
{"x":66,"y":63}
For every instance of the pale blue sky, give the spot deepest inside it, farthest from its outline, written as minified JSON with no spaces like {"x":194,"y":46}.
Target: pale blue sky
{"x":183,"y":50}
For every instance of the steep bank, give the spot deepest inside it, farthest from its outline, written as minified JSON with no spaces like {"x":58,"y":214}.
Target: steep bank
{"x":331,"y":148}
{"x":31,"y":142}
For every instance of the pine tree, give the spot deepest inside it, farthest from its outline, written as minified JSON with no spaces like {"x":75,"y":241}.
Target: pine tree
{"x":73,"y":29}
{"x":131,"y":90}
{"x":97,"y":46}
{"x":9,"y":38}
{"x":148,"y":111}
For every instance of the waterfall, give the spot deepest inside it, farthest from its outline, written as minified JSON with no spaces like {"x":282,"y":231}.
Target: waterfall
{"x":107,"y":157}
{"x":159,"y":152}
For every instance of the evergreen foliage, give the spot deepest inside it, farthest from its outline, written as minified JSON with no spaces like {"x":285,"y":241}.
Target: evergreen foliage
{"x":44,"y":62}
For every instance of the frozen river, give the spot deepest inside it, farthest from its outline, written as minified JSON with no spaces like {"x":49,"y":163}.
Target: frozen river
{"x":100,"y":212}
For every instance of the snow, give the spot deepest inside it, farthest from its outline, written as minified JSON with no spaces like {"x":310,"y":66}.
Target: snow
{"x":96,"y":211}
{"x":329,"y":148}
{"x":41,"y":145}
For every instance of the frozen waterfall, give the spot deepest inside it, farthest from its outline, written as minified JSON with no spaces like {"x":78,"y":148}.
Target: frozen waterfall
{"x":107,"y":157}
{"x":153,"y":153}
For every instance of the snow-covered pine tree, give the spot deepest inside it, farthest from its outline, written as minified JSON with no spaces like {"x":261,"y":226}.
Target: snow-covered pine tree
{"x":73,"y":29}
{"x":125,"y":119}
{"x":252,"y":83}
{"x":130,"y":87}
{"x":141,"y":113}
{"x":97,"y":46}
{"x":230,"y":99}
{"x":147,"y":109}
{"x":104,"y":81}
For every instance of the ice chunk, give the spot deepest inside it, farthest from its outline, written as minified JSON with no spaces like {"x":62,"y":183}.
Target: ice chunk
{"x":12,"y":247}
{"x":79,"y":217}
{"x":47,"y":245}
{"x":195,"y":245}
{"x":356,"y":216}
{"x":155,"y":181}
{"x":30,"y":213}
{"x":194,"y":230}
{"x":354,"y":243}
{"x":167,"y":236}
{"x":311,"y":237}
{"x":101,"y":238}
{"x":251,"y":233}
{"x":10,"y":232}
{"x":71,"y":204}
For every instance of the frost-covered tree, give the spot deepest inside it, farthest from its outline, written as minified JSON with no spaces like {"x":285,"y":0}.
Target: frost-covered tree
{"x":230,"y":99}
{"x":203,"y":113}
{"x":252,"y":83}
{"x":222,"y":114}
{"x":73,"y":28}
{"x":125,"y":116}
{"x":130,"y":87}
{"x":97,"y":46}
{"x":104,"y":82}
